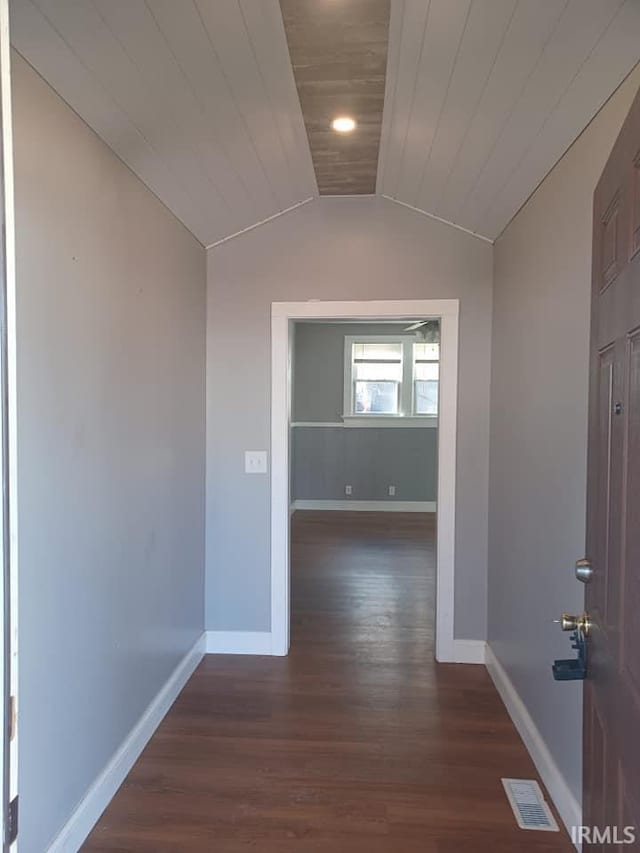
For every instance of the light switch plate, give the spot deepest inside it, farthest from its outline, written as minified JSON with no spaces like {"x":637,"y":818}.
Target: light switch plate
{"x":255,"y":462}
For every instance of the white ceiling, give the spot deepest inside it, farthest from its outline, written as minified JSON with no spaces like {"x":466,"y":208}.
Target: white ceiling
{"x":198,"y":98}
{"x":484,"y":97}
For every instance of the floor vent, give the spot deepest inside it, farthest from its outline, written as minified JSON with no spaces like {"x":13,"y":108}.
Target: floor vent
{"x":529,"y":805}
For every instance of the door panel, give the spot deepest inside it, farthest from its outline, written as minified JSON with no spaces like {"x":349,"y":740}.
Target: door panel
{"x":616,"y":415}
{"x":631,"y":579}
{"x":610,"y":237}
{"x":635,"y":206}
{"x":595,"y":782}
{"x":606,"y":475}
{"x":612,"y":690}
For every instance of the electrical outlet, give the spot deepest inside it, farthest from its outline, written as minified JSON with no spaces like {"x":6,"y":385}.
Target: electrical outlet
{"x":348,"y":490}
{"x":392,"y":491}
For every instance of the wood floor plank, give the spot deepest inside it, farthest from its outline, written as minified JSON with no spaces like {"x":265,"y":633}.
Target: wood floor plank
{"x":357,"y":742}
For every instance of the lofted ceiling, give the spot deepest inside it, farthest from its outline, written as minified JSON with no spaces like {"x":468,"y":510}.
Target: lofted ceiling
{"x":199,"y":98}
{"x":484,"y":97}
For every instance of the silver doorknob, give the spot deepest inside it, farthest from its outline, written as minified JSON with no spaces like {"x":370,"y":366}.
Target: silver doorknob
{"x":584,"y":570}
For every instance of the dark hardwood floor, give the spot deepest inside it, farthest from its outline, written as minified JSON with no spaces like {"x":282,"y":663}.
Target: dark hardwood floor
{"x":356,"y":743}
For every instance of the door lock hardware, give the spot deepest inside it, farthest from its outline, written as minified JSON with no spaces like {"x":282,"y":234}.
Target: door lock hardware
{"x":568,"y":622}
{"x":584,"y":570}
{"x":573,"y":669}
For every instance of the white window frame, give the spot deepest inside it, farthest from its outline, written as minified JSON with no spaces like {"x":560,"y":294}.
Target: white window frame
{"x":406,"y":416}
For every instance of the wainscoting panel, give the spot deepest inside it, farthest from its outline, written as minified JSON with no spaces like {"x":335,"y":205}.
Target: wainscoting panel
{"x":325,"y":461}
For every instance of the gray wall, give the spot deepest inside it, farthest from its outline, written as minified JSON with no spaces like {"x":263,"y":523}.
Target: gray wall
{"x":318,"y":383}
{"x":370,"y":459}
{"x":359,"y":248}
{"x":539,"y":432}
{"x":111,"y":356}
{"x":325,"y":460}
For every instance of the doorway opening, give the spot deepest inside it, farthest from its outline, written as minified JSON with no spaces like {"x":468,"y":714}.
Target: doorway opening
{"x":390,"y":361}
{"x":363,"y":459}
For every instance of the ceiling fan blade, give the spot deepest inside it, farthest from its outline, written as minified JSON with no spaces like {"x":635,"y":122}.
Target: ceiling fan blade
{"x":417,"y":325}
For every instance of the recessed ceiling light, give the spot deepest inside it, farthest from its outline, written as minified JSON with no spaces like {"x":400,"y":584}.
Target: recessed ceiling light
{"x":343,"y":124}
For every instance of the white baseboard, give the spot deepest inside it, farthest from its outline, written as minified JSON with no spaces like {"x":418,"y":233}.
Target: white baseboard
{"x":239,"y":643}
{"x":555,"y":783}
{"x":77,"y":828}
{"x":469,"y":651}
{"x":368,"y":506}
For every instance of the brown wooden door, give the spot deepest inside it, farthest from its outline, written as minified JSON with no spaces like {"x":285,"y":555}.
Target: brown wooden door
{"x":612,"y":689}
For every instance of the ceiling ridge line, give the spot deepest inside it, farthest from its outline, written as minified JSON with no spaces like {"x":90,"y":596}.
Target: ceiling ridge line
{"x":390,"y":82}
{"x":349,"y":195}
{"x":264,"y":221}
{"x":439,"y":219}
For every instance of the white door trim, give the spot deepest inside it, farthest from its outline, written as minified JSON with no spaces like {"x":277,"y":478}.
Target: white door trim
{"x":8,"y":439}
{"x":282,"y":314}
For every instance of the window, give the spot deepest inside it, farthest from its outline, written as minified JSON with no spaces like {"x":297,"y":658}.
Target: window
{"x":391,"y":377}
{"x":426,"y":374}
{"x":377,"y":378}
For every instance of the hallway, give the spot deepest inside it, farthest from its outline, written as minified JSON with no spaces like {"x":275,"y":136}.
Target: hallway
{"x":356,"y":743}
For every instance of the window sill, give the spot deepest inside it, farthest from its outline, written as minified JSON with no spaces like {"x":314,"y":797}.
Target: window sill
{"x":394,"y":421}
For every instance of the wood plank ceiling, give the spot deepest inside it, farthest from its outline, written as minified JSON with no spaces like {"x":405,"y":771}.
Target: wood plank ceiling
{"x":198,"y":97}
{"x":484,"y":97}
{"x":339,"y":58}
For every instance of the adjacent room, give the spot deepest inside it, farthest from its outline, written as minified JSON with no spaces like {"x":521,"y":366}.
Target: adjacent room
{"x":320,"y":425}
{"x":364,"y":444}
{"x":364,"y":434}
